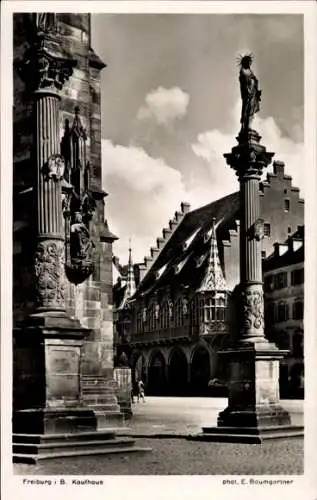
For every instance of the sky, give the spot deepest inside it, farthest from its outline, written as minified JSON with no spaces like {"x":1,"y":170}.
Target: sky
{"x":170,"y":108}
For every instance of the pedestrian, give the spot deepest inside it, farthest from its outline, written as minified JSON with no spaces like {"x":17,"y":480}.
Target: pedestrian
{"x":132,"y":395}
{"x":140,"y":391}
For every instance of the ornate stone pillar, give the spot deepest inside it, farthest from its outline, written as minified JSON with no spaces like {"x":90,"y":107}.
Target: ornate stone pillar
{"x":254,"y":411}
{"x":248,"y":159}
{"x":50,"y":253}
{"x":49,"y":342}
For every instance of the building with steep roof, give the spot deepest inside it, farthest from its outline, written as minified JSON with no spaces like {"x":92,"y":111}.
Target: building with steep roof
{"x":180,"y":314}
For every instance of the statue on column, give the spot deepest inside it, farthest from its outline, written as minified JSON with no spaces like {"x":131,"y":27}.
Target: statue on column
{"x":250,"y":93}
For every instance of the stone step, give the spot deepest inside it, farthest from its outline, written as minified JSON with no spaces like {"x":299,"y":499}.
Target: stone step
{"x":231,"y":435}
{"x":97,"y":389}
{"x":101,"y":405}
{"x":32,"y":459}
{"x":109,"y":433}
{"x":253,"y":430}
{"x":53,"y":447}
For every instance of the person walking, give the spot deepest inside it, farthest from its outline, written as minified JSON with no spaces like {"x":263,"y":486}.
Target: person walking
{"x":141,"y":391}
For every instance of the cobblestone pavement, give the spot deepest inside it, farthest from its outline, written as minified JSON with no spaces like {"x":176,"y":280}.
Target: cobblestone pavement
{"x":183,"y":416}
{"x":179,"y":456}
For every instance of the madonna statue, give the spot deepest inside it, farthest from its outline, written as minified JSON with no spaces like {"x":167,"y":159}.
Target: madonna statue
{"x":250,"y":93}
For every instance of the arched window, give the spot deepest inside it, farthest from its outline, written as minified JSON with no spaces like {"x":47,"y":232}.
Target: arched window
{"x":164,"y":316}
{"x":194,"y":311}
{"x":139,"y":320}
{"x":178,"y":315}
{"x":152,"y":318}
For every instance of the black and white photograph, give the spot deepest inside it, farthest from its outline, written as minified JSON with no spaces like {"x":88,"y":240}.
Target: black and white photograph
{"x":160,"y":231}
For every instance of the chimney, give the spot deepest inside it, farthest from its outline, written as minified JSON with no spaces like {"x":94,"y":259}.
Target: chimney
{"x":278,"y":168}
{"x":185,"y":207}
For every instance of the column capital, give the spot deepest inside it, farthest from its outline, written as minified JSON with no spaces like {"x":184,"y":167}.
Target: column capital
{"x":45,"y":66}
{"x":250,"y":157}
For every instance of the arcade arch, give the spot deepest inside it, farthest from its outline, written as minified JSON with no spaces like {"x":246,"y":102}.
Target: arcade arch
{"x":200,"y":371}
{"x":177,"y":373}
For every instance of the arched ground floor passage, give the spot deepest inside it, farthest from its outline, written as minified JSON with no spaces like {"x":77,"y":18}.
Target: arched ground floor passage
{"x":185,"y":370}
{"x":197,"y":370}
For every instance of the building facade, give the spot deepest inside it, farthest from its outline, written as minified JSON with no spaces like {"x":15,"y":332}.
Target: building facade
{"x":284,"y":310}
{"x":183,"y":309}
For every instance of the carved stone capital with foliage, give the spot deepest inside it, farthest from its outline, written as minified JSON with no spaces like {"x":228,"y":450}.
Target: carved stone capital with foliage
{"x":45,"y":65}
{"x":249,"y":158}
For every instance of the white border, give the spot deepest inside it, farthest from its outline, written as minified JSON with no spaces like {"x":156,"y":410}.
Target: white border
{"x":155,"y":487}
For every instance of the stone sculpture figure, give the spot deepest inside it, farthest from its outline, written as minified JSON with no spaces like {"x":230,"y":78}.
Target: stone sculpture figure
{"x":250,"y":93}
{"x":80,"y":242}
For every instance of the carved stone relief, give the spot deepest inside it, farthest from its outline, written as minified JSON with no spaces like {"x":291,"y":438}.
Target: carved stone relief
{"x":49,"y":271}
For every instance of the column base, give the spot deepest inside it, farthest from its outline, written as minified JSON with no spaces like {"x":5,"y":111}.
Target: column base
{"x":254,"y":412}
{"x":53,"y":420}
{"x":248,"y":435}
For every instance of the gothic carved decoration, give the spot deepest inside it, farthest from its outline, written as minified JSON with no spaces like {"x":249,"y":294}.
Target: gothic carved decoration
{"x":54,"y":168}
{"x":185,"y":308}
{"x":157,"y":310}
{"x":45,"y":66}
{"x":253,"y":306}
{"x":258,"y":229}
{"x":49,"y":271}
{"x":79,"y":204}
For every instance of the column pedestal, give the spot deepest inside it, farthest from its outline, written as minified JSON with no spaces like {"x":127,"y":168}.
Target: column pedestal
{"x":254,"y":412}
{"x":48,"y":345}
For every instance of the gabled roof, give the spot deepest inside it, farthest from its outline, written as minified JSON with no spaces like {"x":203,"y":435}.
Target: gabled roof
{"x":185,"y":257}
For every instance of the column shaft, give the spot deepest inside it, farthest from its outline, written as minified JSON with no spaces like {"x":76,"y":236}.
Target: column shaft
{"x":49,"y":256}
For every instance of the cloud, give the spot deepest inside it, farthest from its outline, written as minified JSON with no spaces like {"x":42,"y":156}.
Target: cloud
{"x":211,"y":144}
{"x":164,"y":106}
{"x":144,"y":194}
{"x":146,"y":191}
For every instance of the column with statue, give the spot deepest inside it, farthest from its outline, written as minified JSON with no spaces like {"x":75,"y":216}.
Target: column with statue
{"x":254,"y":411}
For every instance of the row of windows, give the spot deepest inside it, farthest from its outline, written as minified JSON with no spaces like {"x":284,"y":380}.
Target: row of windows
{"x":281,"y":280}
{"x":161,"y":317}
{"x":276,"y":313}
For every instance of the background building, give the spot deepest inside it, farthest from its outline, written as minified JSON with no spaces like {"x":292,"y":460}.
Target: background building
{"x":183,"y":308}
{"x":284,"y":310}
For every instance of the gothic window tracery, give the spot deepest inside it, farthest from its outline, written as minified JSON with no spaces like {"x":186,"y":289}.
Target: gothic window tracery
{"x":139,"y":321}
{"x":164,"y":316}
{"x":152,"y":318}
{"x":179,"y":316}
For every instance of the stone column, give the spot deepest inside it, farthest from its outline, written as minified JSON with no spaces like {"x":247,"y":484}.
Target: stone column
{"x":50,"y":252}
{"x":254,"y":411}
{"x":248,"y":160}
{"x":48,"y":343}
{"x":254,"y":380}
